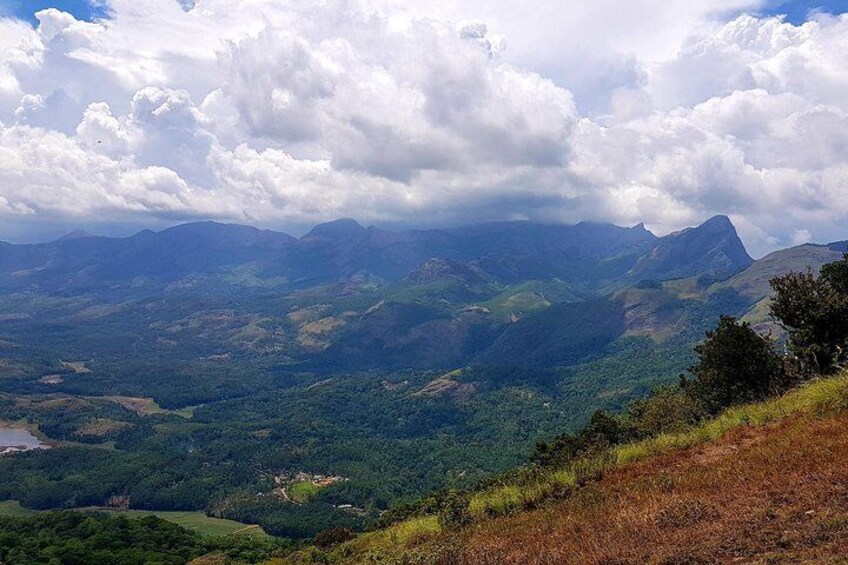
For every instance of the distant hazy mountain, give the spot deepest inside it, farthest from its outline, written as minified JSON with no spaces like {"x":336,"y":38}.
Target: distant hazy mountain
{"x":345,"y":296}
{"x":711,"y":249}
{"x":586,"y":255}
{"x":753,"y":282}
{"x":75,"y":234}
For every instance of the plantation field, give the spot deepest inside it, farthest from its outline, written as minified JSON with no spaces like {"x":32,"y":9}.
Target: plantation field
{"x":195,"y":521}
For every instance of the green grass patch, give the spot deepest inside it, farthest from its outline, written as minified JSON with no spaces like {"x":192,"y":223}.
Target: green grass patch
{"x":195,"y":521}
{"x":14,"y":509}
{"x":302,"y":491}
{"x":495,"y":501}
{"x":414,"y":531}
{"x":396,"y":537}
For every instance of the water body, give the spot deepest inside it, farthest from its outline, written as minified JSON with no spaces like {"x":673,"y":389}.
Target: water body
{"x":17,"y":439}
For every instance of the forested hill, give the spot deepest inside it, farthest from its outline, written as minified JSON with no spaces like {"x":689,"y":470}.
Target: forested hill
{"x":346,"y":296}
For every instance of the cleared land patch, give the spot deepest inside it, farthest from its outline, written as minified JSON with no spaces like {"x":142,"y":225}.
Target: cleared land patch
{"x":196,"y":521}
{"x":101,"y":427}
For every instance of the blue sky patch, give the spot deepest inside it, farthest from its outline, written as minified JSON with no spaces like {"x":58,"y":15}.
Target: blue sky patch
{"x":798,"y":11}
{"x":26,"y":9}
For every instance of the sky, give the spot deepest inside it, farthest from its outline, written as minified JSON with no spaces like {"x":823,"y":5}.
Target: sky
{"x":123,"y":114}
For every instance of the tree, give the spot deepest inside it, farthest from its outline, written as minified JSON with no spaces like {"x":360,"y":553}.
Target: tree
{"x":836,"y":275}
{"x":602,"y":431}
{"x":666,"y":409}
{"x":814,"y":312}
{"x":735,"y":365}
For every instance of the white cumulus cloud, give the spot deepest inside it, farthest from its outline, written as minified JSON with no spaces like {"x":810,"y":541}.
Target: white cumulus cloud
{"x":283,"y":113}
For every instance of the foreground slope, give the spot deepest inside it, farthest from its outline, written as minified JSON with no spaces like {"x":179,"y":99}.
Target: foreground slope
{"x":775,"y":494}
{"x":762,"y":483}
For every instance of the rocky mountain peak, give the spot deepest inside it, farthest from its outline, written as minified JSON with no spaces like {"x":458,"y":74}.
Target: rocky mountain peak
{"x":337,"y":229}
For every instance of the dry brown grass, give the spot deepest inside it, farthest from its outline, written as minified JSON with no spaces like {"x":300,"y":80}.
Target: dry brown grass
{"x":314,"y":336}
{"x":772,"y":494}
{"x":101,"y":427}
{"x":141,"y":406}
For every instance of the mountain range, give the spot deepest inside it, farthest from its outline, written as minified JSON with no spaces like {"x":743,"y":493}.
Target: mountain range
{"x":348,"y":296}
{"x":589,"y":256}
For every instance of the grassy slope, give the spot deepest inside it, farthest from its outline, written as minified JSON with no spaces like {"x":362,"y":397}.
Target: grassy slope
{"x":198,"y":522}
{"x":770,"y":494}
{"x":195,"y":521}
{"x":14,"y":509}
{"x":754,"y":281}
{"x":742,"y":485}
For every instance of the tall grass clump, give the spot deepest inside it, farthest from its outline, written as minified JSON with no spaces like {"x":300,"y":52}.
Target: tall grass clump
{"x":818,"y":396}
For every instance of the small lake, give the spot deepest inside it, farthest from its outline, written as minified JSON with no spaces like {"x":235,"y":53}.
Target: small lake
{"x":17,"y":439}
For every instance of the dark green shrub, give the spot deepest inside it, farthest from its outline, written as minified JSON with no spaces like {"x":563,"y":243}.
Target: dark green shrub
{"x":667,"y":409}
{"x":814,"y":312}
{"x":334,"y":537}
{"x":735,"y":366}
{"x":604,"y":430}
{"x":561,"y":449}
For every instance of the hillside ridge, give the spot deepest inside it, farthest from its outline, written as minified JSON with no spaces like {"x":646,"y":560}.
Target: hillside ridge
{"x":758,"y":483}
